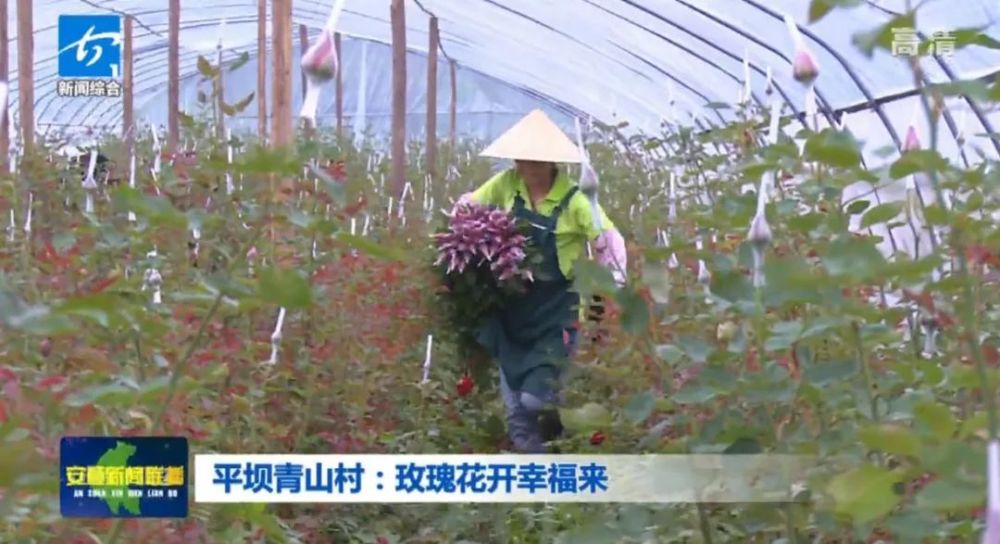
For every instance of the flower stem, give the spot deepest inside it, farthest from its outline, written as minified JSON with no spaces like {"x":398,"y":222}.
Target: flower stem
{"x":870,"y":385}
{"x":181,"y":366}
{"x":968,"y":314}
{"x":706,"y":529}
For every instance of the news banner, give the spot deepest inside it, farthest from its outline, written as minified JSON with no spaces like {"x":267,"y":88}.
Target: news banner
{"x":149,"y":477}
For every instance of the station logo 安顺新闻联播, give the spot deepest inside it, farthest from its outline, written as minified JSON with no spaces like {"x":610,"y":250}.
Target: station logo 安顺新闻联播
{"x":132,"y":477}
{"x":90,"y":55}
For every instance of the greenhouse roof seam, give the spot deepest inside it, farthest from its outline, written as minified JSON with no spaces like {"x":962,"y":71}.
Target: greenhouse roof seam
{"x":584,"y":61}
{"x":135,"y":19}
{"x":877,"y":108}
{"x":690,"y":51}
{"x":188,"y":59}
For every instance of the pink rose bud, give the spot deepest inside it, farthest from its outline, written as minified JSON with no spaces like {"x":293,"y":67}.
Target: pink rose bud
{"x":320,"y":61}
{"x":804,"y":67}
{"x":912,"y":141}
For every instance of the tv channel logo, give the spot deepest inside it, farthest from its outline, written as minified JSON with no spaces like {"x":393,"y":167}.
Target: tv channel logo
{"x":90,"y":46}
{"x":123,"y":477}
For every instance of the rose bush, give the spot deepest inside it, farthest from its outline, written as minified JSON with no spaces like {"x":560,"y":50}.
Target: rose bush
{"x":882,"y":363}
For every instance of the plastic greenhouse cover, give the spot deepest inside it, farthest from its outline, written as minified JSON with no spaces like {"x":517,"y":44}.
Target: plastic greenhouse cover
{"x":643,"y":61}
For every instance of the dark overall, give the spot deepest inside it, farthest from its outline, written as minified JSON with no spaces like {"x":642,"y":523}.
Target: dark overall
{"x":527,"y":337}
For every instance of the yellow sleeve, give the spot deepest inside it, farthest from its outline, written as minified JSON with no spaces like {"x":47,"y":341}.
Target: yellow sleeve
{"x":490,"y":193}
{"x":584,"y":217}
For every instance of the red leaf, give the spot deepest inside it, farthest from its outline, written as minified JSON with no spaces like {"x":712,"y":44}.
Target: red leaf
{"x":86,"y":414}
{"x":356,"y":208}
{"x":980,"y":255}
{"x":51,"y":381}
{"x":992,"y":354}
{"x":7,"y":375}
{"x":102,"y":284}
{"x":924,"y":300}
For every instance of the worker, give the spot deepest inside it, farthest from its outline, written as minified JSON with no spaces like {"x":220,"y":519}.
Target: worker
{"x":535,"y":334}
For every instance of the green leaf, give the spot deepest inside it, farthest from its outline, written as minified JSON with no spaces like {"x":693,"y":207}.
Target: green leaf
{"x":732,"y":286}
{"x":782,"y":335}
{"x":186,"y":120}
{"x":912,"y":526}
{"x":694,"y":394}
{"x":123,"y":393}
{"x":865,"y":493}
{"x":883,"y":36}
{"x":881,"y":214}
{"x":206,"y":67}
{"x":820,"y":8}
{"x":834,"y":148}
{"x":823,"y":374}
{"x":284,"y":287}
{"x":853,"y":258}
{"x":242,"y":103}
{"x":918,"y":160}
{"x":63,"y":241}
{"x":937,"y":419}
{"x":974,"y":36}
{"x":33,"y":319}
{"x":589,"y":417}
{"x":157,"y":210}
{"x":100,"y":307}
{"x":593,"y":532}
{"x":718,"y":106}
{"x":593,"y":279}
{"x":857,"y":206}
{"x":973,"y":425}
{"x":946,"y":496}
{"x":634,"y":311}
{"x":640,"y":407}
{"x":894,"y":439}
{"x":669,"y":353}
{"x":695,"y":348}
{"x":239,"y":62}
{"x":374,"y":249}
{"x":935,"y":214}
{"x":973,"y":88}
{"x":656,"y":277}
{"x":264,"y":161}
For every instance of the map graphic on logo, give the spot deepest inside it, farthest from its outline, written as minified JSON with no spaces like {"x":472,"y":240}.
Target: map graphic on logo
{"x":123,"y":477}
{"x":90,"y":46}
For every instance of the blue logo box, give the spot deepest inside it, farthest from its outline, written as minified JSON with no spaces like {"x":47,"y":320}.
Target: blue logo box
{"x":123,"y":477}
{"x":90,"y":46}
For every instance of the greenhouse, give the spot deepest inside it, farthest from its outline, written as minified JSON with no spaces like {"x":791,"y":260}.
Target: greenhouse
{"x":676,"y":271}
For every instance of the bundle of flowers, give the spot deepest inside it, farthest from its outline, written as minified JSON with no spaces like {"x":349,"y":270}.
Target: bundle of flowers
{"x":483,"y":257}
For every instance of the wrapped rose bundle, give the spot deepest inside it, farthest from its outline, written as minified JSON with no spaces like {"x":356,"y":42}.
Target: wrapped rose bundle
{"x":484,"y":256}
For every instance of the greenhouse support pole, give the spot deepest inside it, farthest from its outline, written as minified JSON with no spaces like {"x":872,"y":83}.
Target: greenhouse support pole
{"x":262,"y":70}
{"x":432,"y":71}
{"x":340,"y":85}
{"x":310,"y":128}
{"x":26,"y":73}
{"x":304,"y":44}
{"x":397,"y":17}
{"x":453,"y":107}
{"x":173,"y":75}
{"x":281,"y":47}
{"x":128,"y":72}
{"x":4,"y":76}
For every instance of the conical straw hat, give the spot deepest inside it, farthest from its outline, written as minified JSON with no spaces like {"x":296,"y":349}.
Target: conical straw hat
{"x":534,"y":138}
